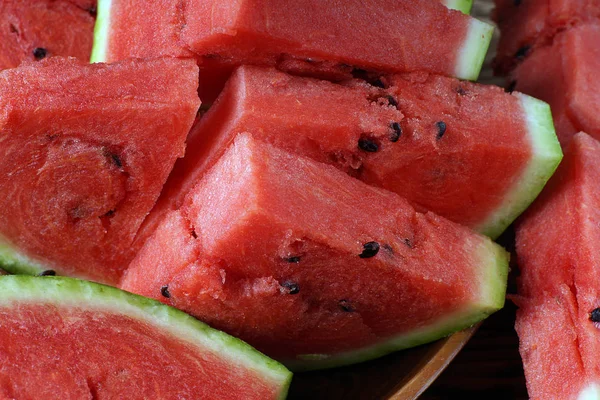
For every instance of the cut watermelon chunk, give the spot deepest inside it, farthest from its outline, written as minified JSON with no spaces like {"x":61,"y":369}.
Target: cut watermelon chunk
{"x":527,"y":25}
{"x":101,"y":342}
{"x":557,"y":245}
{"x":568,"y":82}
{"x":313,"y":267}
{"x":386,"y":35}
{"x":86,"y":150}
{"x":36,"y":29}
{"x":493,"y":158}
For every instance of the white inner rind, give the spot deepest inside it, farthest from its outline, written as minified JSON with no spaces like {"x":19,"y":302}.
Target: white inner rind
{"x":546,"y":154}
{"x":591,"y":392}
{"x":67,"y":292}
{"x":15,"y":262}
{"x":463,"y":6}
{"x":472,"y":54}
{"x":101,"y":32}
{"x":493,"y":277}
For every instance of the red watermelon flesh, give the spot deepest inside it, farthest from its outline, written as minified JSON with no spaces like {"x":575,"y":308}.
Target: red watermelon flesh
{"x":36,"y":29}
{"x":557,"y":246}
{"x":314,"y":267}
{"x":568,"y":80}
{"x":69,"y":339}
{"x":466,"y":174}
{"x":86,"y":150}
{"x":527,"y":25}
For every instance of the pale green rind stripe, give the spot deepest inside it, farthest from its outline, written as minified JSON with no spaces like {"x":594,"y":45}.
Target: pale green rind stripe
{"x":463,"y":6}
{"x":472,"y":54}
{"x":545,"y":158}
{"x":15,"y":263}
{"x":493,"y":291}
{"x":68,"y":292}
{"x":101,"y":31}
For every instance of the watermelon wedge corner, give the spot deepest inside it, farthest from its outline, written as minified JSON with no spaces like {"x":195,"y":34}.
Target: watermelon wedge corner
{"x":86,"y":150}
{"x":492,"y":159}
{"x":557,"y":242}
{"x":114,"y":344}
{"x":384,"y":36}
{"x":313,"y":267}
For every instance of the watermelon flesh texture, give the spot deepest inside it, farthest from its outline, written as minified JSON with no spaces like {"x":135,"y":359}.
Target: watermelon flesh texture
{"x":527,"y":25}
{"x":86,"y":150}
{"x":112,"y":344}
{"x":278,"y":250}
{"x":328,"y":39}
{"x":557,"y":245}
{"x":568,"y":83}
{"x":475,"y":174}
{"x":37,"y":29}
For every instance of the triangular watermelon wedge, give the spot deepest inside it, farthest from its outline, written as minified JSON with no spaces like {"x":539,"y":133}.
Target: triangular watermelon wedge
{"x":82,"y":339}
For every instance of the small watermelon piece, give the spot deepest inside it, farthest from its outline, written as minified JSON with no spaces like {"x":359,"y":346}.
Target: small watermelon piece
{"x":527,"y":25}
{"x":557,"y":246}
{"x":36,"y":29}
{"x":494,"y":156}
{"x":313,"y":267}
{"x":86,"y":151}
{"x":101,"y":342}
{"x":568,"y":80}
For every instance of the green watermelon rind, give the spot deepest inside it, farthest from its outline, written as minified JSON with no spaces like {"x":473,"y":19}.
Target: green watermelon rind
{"x":61,"y":292}
{"x":545,"y":158}
{"x":14,"y":262}
{"x":471,"y":55}
{"x":495,"y":261}
{"x":101,"y":31}
{"x":463,"y":6}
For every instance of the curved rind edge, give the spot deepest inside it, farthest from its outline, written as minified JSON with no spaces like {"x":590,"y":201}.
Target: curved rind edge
{"x":474,"y":49}
{"x":63,"y":291}
{"x":463,"y":6}
{"x":101,"y":32}
{"x":545,"y":158}
{"x":14,"y":262}
{"x":495,"y":261}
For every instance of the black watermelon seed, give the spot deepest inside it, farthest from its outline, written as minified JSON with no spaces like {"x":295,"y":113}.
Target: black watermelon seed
{"x":359,"y":73}
{"x":595,"y":315}
{"x":93,"y":11}
{"x":116,"y":160}
{"x":295,"y":259}
{"x":396,"y":132}
{"x":522,"y":52}
{"x":370,"y":249}
{"x":48,"y":272}
{"x":193,"y":233}
{"x":377,"y":83}
{"x":461,"y":90}
{"x":346,"y":306}
{"x":441,"y":126}
{"x":111,"y":213}
{"x":40,"y":53}
{"x":511,"y":87}
{"x":165,"y":291}
{"x":367,"y":144}
{"x":408,"y":243}
{"x":293,"y":287}
{"x":392,"y":101}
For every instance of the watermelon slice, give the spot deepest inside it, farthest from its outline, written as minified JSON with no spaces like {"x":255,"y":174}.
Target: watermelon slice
{"x":100,"y":342}
{"x":36,"y":29}
{"x":568,"y":82}
{"x":86,"y":150}
{"x":463,"y":175}
{"x":558,"y":245}
{"x":527,"y":25}
{"x":313,"y":267}
{"x":383,"y":35}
